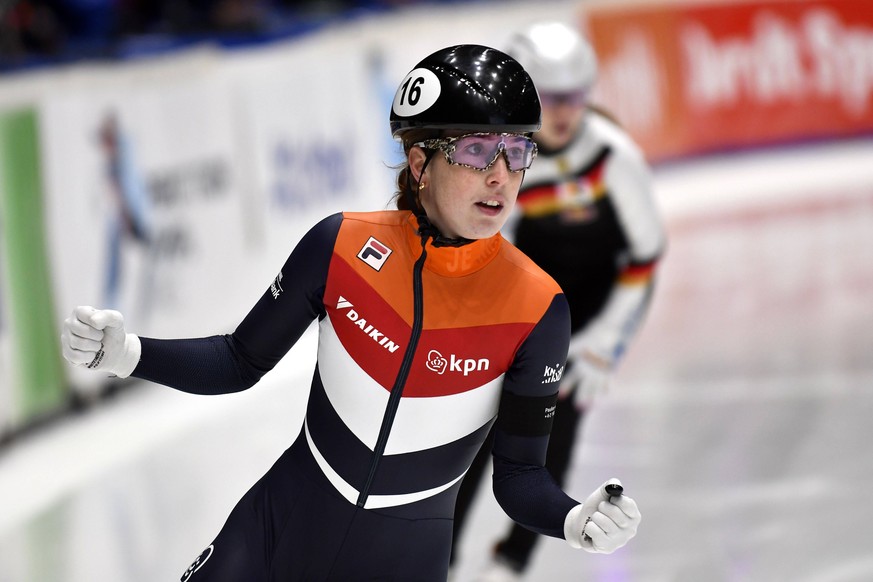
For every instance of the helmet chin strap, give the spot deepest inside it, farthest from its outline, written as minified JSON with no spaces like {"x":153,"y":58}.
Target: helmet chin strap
{"x":426,"y":228}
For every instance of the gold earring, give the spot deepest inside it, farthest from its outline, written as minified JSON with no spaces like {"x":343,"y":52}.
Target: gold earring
{"x":422,"y":186}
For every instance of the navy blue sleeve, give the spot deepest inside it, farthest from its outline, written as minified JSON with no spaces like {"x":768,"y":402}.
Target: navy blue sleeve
{"x":230,"y":363}
{"x":522,"y":485}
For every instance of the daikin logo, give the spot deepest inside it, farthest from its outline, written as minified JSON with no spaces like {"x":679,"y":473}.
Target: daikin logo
{"x":361,"y":322}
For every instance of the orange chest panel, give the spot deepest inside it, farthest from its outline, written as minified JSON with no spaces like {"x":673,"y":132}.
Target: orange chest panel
{"x":478,"y":307}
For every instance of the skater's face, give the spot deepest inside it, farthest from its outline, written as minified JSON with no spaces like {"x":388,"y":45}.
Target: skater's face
{"x":467,"y":202}
{"x":561,"y":119}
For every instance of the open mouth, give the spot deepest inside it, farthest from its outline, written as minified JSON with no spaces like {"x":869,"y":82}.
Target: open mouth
{"x":490,"y":208}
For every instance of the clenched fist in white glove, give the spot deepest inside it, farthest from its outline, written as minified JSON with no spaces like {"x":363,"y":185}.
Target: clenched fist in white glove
{"x":603,"y":523}
{"x":95,"y":338}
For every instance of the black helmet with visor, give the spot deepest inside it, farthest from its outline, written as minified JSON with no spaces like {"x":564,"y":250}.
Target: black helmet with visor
{"x":466,"y":87}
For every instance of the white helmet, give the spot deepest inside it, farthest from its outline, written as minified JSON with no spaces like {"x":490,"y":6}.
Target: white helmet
{"x":557,"y":58}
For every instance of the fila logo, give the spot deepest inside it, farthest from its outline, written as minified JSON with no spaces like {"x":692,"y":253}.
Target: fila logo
{"x":373,"y":333}
{"x":437,"y":363}
{"x":374,"y":253}
{"x":553,"y":374}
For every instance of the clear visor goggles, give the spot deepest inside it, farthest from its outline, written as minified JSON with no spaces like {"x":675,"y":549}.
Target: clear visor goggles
{"x":479,"y":151}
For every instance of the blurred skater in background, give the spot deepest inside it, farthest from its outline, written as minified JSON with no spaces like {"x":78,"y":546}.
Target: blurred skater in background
{"x":131,"y":221}
{"x":586,"y":214}
{"x":425,"y":313}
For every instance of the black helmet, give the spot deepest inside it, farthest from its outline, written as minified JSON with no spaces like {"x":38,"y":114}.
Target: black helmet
{"x":467,"y":87}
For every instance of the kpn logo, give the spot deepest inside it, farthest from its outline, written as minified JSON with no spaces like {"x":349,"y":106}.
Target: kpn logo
{"x":438,"y":363}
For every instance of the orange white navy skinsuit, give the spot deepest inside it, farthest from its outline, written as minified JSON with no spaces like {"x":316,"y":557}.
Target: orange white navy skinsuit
{"x":417,"y":354}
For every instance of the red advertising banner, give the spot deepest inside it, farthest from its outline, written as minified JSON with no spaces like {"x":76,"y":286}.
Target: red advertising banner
{"x":687,"y":78}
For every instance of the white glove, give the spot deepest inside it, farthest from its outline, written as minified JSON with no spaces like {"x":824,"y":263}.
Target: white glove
{"x":596,"y":350}
{"x":95,"y":339}
{"x":589,"y":374}
{"x":602,"y":524}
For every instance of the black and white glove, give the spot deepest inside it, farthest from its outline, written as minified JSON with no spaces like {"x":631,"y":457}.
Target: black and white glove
{"x":603,"y":523}
{"x":95,"y":339}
